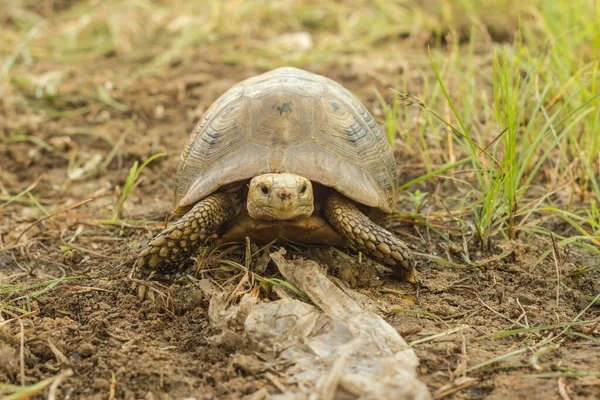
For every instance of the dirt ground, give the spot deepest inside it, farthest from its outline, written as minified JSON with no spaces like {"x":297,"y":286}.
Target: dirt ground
{"x":69,"y":269}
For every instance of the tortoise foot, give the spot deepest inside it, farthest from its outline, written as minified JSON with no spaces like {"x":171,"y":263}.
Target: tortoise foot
{"x":174,"y":246}
{"x":366,"y":236}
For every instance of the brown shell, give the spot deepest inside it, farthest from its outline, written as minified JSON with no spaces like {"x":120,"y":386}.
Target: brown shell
{"x":289,"y":120}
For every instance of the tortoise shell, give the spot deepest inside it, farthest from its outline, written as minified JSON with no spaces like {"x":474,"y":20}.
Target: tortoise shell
{"x":289,"y":120}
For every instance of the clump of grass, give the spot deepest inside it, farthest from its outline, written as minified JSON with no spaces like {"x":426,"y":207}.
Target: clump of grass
{"x":266,"y":282}
{"x":42,"y":288}
{"x":130,"y":183}
{"x":531,"y":115}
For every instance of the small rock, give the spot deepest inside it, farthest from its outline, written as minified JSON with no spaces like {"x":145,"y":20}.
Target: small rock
{"x":86,"y":349}
{"x":247,"y":364}
{"x":295,"y":41}
{"x":99,"y":325}
{"x":7,"y":355}
{"x":62,"y":143}
{"x":101,"y":384}
{"x":187,"y":299}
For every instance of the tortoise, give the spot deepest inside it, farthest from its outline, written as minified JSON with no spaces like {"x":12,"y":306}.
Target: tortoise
{"x":286,"y":155}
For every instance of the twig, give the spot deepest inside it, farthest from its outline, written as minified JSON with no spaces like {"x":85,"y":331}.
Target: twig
{"x":493,"y":360}
{"x":22,"y":345}
{"x":57,"y":381}
{"x":438,"y":335}
{"x":562,"y":388}
{"x":29,"y":314}
{"x":458,"y":384}
{"x":555,"y":255}
{"x":84,"y":250}
{"x":27,"y":190}
{"x":52,"y":215}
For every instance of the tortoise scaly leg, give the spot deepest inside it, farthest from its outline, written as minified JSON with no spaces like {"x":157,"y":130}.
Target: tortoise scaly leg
{"x":178,"y":243}
{"x":368,"y":237}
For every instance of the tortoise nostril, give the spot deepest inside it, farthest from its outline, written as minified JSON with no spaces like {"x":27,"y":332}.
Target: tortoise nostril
{"x":285,"y":194}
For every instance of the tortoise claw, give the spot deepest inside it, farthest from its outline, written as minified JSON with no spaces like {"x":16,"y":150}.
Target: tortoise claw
{"x":365,"y":235}
{"x":141,"y":292}
{"x":175,"y":246}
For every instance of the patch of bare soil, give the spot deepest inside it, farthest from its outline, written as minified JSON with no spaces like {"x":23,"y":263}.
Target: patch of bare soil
{"x":119,"y":347}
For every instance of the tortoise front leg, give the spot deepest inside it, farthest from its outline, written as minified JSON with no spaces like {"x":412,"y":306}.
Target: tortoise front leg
{"x":368,"y":237}
{"x":178,"y":243}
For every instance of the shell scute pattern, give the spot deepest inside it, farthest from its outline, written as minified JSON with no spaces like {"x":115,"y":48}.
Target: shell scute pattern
{"x":281,"y":120}
{"x":348,"y":136}
{"x":219,"y":137}
{"x":289,"y":120}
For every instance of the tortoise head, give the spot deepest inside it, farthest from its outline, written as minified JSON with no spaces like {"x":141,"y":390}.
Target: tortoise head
{"x":280,"y":197}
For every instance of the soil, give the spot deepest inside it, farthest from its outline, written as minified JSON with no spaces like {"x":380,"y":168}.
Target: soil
{"x":90,"y":320}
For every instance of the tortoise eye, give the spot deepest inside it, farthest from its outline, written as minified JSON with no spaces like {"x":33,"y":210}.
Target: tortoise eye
{"x":303,"y":189}
{"x":264,"y":188}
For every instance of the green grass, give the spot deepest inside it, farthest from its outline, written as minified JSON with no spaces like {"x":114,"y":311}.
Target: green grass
{"x":43,"y":287}
{"x":511,"y":332}
{"x":566,"y":374}
{"x":130,"y":183}
{"x":529,"y":116}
